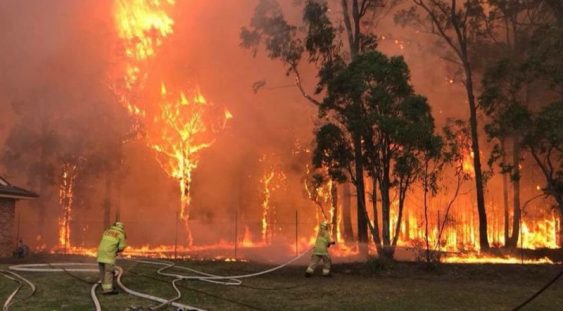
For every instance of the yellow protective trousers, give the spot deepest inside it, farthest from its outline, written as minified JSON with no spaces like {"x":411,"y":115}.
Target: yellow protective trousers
{"x":106,"y":276}
{"x":315,"y":260}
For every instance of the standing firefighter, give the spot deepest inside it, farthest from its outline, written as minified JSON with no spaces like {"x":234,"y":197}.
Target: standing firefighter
{"x":112,"y":243}
{"x":320,"y":251}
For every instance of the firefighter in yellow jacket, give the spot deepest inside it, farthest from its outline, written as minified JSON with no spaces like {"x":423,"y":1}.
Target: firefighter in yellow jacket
{"x":112,"y":243}
{"x":320,"y":252}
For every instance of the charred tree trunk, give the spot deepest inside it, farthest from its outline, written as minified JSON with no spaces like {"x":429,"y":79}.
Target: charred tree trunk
{"x":505,"y":196}
{"x":561,"y":226}
{"x":559,"y":200}
{"x":386,"y":208}
{"x":426,"y":232}
{"x":513,"y":241}
{"x":402,"y":195}
{"x":334,"y":206}
{"x":483,"y":238}
{"x":346,"y":212}
{"x":360,"y":189}
{"x":375,"y":233}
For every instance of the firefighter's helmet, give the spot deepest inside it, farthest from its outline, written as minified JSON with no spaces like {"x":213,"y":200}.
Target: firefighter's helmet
{"x":119,"y":225}
{"x":324,"y":224}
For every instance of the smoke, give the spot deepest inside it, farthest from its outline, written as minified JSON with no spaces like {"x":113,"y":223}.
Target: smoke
{"x":55,"y":59}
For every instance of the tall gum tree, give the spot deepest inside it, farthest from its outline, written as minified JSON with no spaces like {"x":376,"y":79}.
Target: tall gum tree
{"x":457,"y":23}
{"x":324,"y":45}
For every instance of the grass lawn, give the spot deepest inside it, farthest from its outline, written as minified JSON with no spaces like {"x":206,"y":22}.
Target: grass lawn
{"x":397,"y":286}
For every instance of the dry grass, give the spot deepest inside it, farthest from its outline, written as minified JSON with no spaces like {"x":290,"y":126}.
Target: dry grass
{"x":398,"y":286}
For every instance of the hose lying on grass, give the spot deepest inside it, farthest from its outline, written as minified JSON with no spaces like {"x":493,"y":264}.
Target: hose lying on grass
{"x":89,"y":267}
{"x":20,"y":280}
{"x":228,"y":280}
{"x":234,"y":280}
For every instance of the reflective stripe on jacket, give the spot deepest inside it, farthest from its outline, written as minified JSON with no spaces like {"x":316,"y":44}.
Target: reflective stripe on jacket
{"x":113,"y":240}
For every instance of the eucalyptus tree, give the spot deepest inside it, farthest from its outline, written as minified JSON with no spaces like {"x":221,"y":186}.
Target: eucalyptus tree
{"x":320,"y":42}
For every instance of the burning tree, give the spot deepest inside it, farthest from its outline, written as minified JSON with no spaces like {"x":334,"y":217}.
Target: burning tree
{"x":185,"y":126}
{"x":320,"y":188}
{"x":66,"y":196}
{"x":272,"y":179}
{"x":180,"y":123}
{"x":322,"y":42}
{"x":457,"y":24}
{"x":373,"y":94}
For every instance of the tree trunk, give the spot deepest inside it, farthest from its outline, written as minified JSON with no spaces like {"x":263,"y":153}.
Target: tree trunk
{"x":483,"y":238}
{"x":560,"y":227}
{"x":360,"y":189}
{"x":386,"y":210}
{"x":513,"y":242}
{"x":399,"y":217}
{"x":426,"y":224}
{"x":505,"y":195}
{"x":346,"y":212}
{"x":376,"y":236}
{"x":334,"y":206}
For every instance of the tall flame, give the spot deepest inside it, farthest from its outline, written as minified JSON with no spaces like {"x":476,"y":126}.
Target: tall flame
{"x":183,"y":122}
{"x":66,"y":196}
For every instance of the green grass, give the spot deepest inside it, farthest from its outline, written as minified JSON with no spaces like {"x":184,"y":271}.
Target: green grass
{"x":398,"y":286}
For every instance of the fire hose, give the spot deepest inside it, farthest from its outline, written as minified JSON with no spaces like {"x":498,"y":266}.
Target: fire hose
{"x":89,"y":267}
{"x":233,"y":280}
{"x":20,"y":280}
{"x":228,"y":280}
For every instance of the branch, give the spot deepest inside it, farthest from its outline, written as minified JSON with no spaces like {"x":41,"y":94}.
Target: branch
{"x":540,"y":164}
{"x":436,"y":22}
{"x":300,"y":86}
{"x":450,"y":204}
{"x":348,"y":23}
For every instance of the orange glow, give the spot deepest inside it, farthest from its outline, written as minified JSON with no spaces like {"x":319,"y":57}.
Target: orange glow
{"x":266,"y":230}
{"x":468,"y":167}
{"x":185,"y":126}
{"x":481,"y":259}
{"x":272,"y":179}
{"x":66,"y":195}
{"x":183,"y":122}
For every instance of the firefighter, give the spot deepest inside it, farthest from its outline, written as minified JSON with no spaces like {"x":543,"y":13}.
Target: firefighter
{"x":112,"y":243}
{"x":320,"y":252}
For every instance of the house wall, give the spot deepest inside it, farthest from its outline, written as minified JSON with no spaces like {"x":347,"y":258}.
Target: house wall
{"x":7,"y":216}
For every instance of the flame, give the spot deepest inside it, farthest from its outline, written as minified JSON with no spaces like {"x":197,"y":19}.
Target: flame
{"x":183,"y":122}
{"x":66,"y":195}
{"x":478,"y":258}
{"x":467,"y":165}
{"x":178,"y":135}
{"x":266,"y":179}
{"x":272,"y":179}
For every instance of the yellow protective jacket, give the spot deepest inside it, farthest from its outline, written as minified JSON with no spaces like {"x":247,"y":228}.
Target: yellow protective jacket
{"x":322,"y":242}
{"x":113,"y":240}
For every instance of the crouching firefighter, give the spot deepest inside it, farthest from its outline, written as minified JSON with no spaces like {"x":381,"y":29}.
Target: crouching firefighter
{"x":112,"y":243}
{"x":320,"y":252}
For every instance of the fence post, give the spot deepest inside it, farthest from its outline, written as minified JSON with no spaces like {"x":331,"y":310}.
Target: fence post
{"x":176,"y":237}
{"x":236,"y":232}
{"x":296,"y":233}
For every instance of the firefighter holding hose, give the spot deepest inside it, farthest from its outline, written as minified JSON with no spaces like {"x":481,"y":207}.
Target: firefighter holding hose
{"x":112,"y":243}
{"x":320,"y":252}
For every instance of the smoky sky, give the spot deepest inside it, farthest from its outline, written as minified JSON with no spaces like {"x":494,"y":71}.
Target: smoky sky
{"x":56,"y":56}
